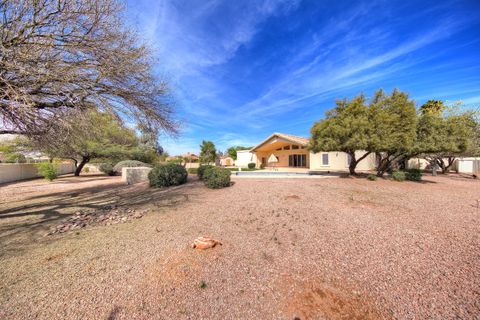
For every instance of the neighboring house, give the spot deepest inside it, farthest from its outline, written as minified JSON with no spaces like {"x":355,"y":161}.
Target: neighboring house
{"x":281,"y":150}
{"x":227,"y":161}
{"x":190,"y":157}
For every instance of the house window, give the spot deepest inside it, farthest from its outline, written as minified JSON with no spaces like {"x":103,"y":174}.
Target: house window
{"x":294,"y":147}
{"x":279,"y":149}
{"x":286,"y":148}
{"x":325,"y":159}
{"x":302,"y":147}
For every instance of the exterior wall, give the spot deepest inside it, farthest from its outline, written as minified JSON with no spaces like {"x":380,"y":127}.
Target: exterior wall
{"x":10,"y":172}
{"x":189,"y":165}
{"x":338,"y":161}
{"x":282,"y":156}
{"x":244,"y":157}
{"x":135,"y":175}
{"x":469,"y":165}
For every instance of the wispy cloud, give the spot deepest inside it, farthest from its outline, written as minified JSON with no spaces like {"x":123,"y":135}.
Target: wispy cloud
{"x":242,"y":69}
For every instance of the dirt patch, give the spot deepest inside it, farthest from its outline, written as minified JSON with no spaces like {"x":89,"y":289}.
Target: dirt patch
{"x":314,"y":300}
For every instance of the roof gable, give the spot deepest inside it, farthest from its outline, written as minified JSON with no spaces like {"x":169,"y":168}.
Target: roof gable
{"x":283,"y":136}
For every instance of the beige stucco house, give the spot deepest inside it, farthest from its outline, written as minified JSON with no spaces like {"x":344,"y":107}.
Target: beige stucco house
{"x":288,"y":152}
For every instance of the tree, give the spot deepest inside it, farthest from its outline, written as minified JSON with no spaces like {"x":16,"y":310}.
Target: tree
{"x":444,"y":135}
{"x":97,"y":135}
{"x":346,"y":128}
{"x":232,"y":151}
{"x":67,"y":54}
{"x":208,"y":153}
{"x":393,"y":121}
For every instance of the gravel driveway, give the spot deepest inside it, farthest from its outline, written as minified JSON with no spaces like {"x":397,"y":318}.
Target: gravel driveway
{"x":292,"y":248}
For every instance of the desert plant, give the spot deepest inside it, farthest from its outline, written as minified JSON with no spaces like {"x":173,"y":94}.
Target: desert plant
{"x":128,"y":164}
{"x":413,"y":175}
{"x":15,"y":158}
{"x":251,"y":165}
{"x":168,"y":174}
{"x":201,"y":170}
{"x":47,"y":170}
{"x":216,"y":177}
{"x":86,"y":169}
{"x":107,"y":168}
{"x":372,"y":177}
{"x":398,"y":176}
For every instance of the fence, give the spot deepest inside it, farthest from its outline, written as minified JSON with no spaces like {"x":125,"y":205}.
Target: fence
{"x":10,"y":172}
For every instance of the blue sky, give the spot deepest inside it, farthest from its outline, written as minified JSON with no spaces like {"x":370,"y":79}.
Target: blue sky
{"x":240,"y":70}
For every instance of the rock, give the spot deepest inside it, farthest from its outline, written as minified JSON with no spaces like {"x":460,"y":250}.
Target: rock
{"x":205,"y":242}
{"x":137,"y":215}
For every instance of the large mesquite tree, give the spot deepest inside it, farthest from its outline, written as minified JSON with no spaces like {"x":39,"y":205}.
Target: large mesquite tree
{"x":393,"y":121}
{"x":95,"y":135}
{"x":346,"y":128}
{"x":58,"y":55}
{"x":444,"y":135}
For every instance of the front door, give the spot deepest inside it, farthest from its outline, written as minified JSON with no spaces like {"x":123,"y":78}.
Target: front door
{"x":297,"y":160}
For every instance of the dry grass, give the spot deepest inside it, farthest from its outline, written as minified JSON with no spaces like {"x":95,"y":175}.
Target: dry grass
{"x":328,"y":248}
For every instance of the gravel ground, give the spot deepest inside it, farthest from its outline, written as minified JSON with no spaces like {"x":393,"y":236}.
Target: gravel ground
{"x":292,"y":248}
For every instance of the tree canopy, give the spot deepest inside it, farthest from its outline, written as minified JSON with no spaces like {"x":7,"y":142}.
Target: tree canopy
{"x":346,"y":128}
{"x":232,"y":151}
{"x":96,"y":135}
{"x":208,"y":153}
{"x":444,"y":134}
{"x":68,"y":54}
{"x":393,"y":120}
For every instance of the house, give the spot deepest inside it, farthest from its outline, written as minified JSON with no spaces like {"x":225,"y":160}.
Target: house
{"x":227,"y":161}
{"x":286,"y":152}
{"x":190,"y":157}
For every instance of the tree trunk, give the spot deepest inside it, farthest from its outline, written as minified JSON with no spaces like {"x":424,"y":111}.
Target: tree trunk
{"x":80,"y":166}
{"x":352,"y":166}
{"x":353,"y":163}
{"x":446,"y":167}
{"x":75,"y":162}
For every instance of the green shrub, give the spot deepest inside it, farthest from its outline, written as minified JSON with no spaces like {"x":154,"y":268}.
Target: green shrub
{"x":86,"y":169}
{"x":398,"y":176}
{"x":47,"y":170}
{"x":15,"y":158}
{"x":201,"y":170}
{"x":413,"y":175}
{"x":129,"y":164}
{"x":169,"y":174}
{"x":192,"y":170}
{"x":372,"y":177}
{"x":106,"y":168}
{"x":216,"y":177}
{"x":251,"y":165}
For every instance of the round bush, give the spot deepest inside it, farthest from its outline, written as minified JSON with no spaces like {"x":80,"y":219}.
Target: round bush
{"x":372,"y":177}
{"x":106,"y":168}
{"x":129,"y":164}
{"x":216,"y":177}
{"x":414,"y":175}
{"x":201,"y":170}
{"x":398,"y":176}
{"x":47,"y":170}
{"x":166,"y":175}
{"x":251,"y":165}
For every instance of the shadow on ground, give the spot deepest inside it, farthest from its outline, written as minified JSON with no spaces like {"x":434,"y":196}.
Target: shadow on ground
{"x":30,"y":217}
